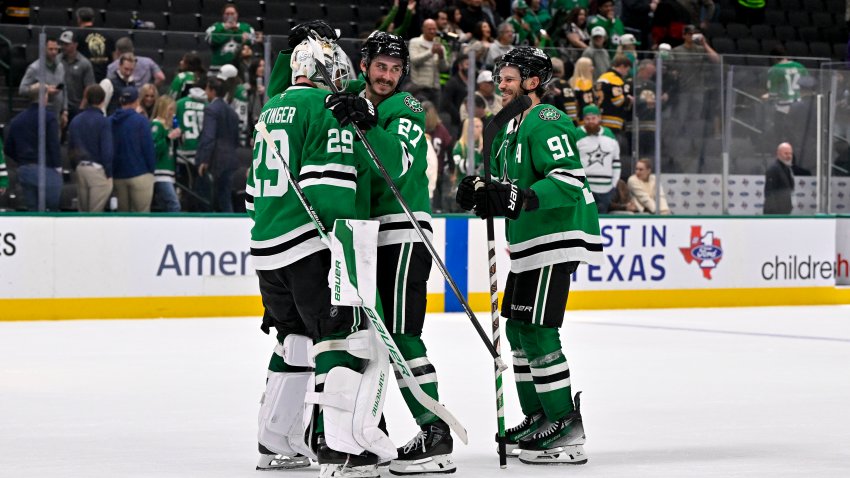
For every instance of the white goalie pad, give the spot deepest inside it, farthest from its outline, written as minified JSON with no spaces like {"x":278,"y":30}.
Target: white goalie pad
{"x":352,"y":402}
{"x":296,"y":351}
{"x":281,"y":409}
{"x":354,"y":256}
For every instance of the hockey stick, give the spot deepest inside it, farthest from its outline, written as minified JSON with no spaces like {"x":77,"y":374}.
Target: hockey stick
{"x":323,"y":70}
{"x":377,"y":324}
{"x":514,"y":108}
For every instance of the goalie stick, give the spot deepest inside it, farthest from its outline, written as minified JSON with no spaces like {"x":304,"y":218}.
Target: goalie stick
{"x":323,"y":70}
{"x":378,"y":326}
{"x":513,"y":109}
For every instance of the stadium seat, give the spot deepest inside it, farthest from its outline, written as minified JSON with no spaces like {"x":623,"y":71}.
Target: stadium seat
{"x":277,"y":26}
{"x":797,"y":48}
{"x":785,"y":33}
{"x":149,"y":38}
{"x":18,"y":34}
{"x":251,"y":9}
{"x":218,"y":5}
{"x":820,"y":49}
{"x":279,"y":10}
{"x":184,"y":22}
{"x":835,"y":34}
{"x":789,"y":5}
{"x":813,"y":6}
{"x":808,"y":34}
{"x":839,"y":51}
{"x":122,"y":5}
{"x":186,"y":6}
{"x":54,"y":16}
{"x":768,"y":45}
{"x":119,"y":18}
{"x":724,"y":45}
{"x":184,"y":41}
{"x":761,"y":32}
{"x":748,"y":46}
{"x":775,"y":17}
{"x":823,"y":19}
{"x":713,"y":30}
{"x":96,"y":4}
{"x":737,"y":30}
{"x":309,"y":11}
{"x":799,"y":19}
{"x":836,"y":6}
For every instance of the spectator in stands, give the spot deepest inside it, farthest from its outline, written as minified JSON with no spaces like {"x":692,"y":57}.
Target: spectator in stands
{"x":503,"y":44}
{"x":637,"y":18}
{"x":257,"y":92}
{"x":4,"y":172}
{"x":482,"y":38}
{"x":454,"y":17}
{"x":190,"y":71}
{"x":599,"y":153}
{"x":784,"y":81}
{"x":473,"y":13}
{"x":646,"y":103}
{"x":669,"y":19}
{"x":387,"y":24}
{"x":460,"y":155}
{"x":145,"y":71}
{"x":621,"y":200}
{"x":642,"y":187}
{"x":164,"y":195}
{"x":227,"y":37}
{"x":78,"y":72}
{"x":22,"y":146}
{"x":605,"y":18}
{"x":597,"y":52}
{"x":696,"y":79}
{"x":54,"y":81}
{"x":577,"y":35}
{"x":700,"y":12}
{"x":454,"y":93}
{"x":486,"y":90}
{"x":539,"y":18}
{"x":94,"y":45}
{"x":525,"y":35}
{"x":628,"y":48}
{"x":581,"y":91}
{"x":779,"y":182}
{"x":237,"y":97}
{"x":90,"y":147}
{"x":190,"y":118}
{"x":613,"y":97}
{"x":556,"y":89}
{"x":445,"y":27}
{"x":427,"y":60}
{"x":750,"y":12}
{"x":442,"y":142}
{"x":147,"y":100}
{"x":134,"y":159}
{"x":218,"y":143}
{"x":121,"y":79}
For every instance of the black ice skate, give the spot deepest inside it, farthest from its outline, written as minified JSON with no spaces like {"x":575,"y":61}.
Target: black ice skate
{"x":335,"y":464}
{"x":529,"y":426}
{"x":560,"y":442}
{"x":429,"y":452}
{"x":269,"y":460}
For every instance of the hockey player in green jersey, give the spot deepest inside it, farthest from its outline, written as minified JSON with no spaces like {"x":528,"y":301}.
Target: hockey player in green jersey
{"x":552,"y":226}
{"x":293,"y":263}
{"x":404,"y":263}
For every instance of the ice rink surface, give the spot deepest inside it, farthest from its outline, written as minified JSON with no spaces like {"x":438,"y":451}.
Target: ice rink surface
{"x":751,"y":392}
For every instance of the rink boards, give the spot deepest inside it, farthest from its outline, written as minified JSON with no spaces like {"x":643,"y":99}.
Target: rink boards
{"x":64,"y":267}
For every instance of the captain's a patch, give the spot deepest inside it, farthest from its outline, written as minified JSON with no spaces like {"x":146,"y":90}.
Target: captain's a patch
{"x":550,"y":114}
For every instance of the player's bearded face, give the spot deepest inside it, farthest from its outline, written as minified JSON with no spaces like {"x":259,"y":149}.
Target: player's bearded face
{"x":384,"y":74}
{"x":509,"y":84}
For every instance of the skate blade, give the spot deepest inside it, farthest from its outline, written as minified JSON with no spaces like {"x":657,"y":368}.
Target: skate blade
{"x":563,"y":455}
{"x":434,"y":465}
{"x":367,"y":471}
{"x":511,"y":450}
{"x":275,"y":464}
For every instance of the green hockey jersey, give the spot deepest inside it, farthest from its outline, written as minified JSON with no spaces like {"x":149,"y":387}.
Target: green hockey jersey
{"x":4,"y":173}
{"x":225,"y":43}
{"x":321,"y":156}
{"x":459,"y":158}
{"x":600,"y":157}
{"x":239,"y":103}
{"x":190,"y":119}
{"x":541,"y":153}
{"x":401,"y":145}
{"x":164,"y":168}
{"x":783,"y":81}
{"x":179,"y":81}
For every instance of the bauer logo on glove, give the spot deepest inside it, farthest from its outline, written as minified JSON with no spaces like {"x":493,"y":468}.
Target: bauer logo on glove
{"x":497,"y":199}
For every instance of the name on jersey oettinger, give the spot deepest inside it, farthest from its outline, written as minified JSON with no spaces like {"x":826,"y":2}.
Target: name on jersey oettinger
{"x":281,"y":114}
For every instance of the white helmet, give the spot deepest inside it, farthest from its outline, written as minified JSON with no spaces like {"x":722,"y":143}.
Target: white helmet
{"x":303,"y":63}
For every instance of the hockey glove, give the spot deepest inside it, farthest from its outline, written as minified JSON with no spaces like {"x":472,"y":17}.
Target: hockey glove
{"x":301,"y":31}
{"x":465,"y":196}
{"x":497,"y":199}
{"x":350,"y":108}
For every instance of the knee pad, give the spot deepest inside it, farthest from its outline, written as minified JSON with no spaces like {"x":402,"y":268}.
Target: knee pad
{"x":352,"y":402}
{"x":280,"y":420}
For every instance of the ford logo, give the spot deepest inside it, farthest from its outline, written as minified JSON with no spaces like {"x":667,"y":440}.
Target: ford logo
{"x":705,"y":252}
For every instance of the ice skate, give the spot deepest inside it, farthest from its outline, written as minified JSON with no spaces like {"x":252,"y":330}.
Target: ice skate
{"x":559,"y":443}
{"x":429,"y":452}
{"x":335,"y":464}
{"x":282,"y":462}
{"x":530,"y":425}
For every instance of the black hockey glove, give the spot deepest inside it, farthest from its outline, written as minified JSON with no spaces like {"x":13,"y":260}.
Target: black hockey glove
{"x":350,"y":108}
{"x":465,"y":196}
{"x":301,"y":31}
{"x":497,"y":199}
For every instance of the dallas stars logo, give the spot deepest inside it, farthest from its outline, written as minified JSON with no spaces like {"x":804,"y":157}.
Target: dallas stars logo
{"x":597,"y":156}
{"x":413,"y":104}
{"x":549,"y":114}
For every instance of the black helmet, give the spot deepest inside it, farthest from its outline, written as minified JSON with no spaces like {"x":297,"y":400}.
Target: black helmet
{"x":529,"y":61}
{"x":383,"y":43}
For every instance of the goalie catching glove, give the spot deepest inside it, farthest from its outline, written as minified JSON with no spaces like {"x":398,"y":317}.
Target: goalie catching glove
{"x":496,"y":199}
{"x":349,"y":108}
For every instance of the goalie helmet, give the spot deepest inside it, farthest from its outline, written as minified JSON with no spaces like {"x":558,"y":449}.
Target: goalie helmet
{"x":383,"y":43}
{"x":529,"y":61}
{"x":303,"y":63}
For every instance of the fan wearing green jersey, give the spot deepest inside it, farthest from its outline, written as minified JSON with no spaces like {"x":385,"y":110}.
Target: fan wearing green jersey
{"x":293,"y":263}
{"x":783,"y":81}
{"x":190,"y":70}
{"x":227,"y":37}
{"x":552,"y":226}
{"x":404,"y":262}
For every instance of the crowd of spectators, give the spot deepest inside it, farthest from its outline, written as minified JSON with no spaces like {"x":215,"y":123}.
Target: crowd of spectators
{"x":603,"y":55}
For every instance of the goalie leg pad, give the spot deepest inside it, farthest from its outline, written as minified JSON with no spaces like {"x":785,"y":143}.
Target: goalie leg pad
{"x":353,"y":402}
{"x":280,"y":419}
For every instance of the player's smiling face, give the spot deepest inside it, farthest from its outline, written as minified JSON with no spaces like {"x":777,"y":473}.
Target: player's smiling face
{"x":384,"y":74}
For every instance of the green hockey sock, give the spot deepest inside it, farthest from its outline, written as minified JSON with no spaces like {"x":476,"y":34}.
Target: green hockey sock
{"x":528,"y":400}
{"x":549,"y":369}
{"x":413,"y":350}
